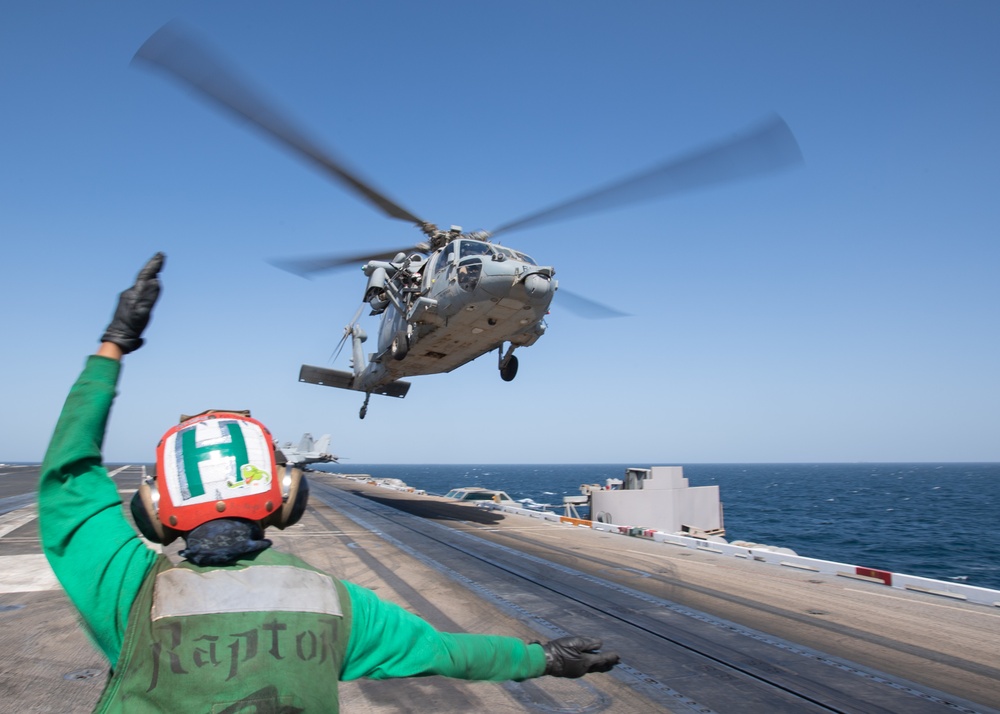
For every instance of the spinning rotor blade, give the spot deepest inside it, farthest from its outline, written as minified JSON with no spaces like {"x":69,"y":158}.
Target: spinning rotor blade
{"x":339,"y":347}
{"x":584,"y":307}
{"x":304,"y":267}
{"x":191,"y":62}
{"x":766,"y":148}
{"x":347,"y":333}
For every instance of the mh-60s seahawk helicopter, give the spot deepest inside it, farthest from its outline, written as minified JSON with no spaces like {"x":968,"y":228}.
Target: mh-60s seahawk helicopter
{"x":455,"y":295}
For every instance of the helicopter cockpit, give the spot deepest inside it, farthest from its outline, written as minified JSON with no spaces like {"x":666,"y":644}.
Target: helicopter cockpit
{"x":470,"y":263}
{"x":469,"y":248}
{"x":476,"y":248}
{"x":514,"y":255}
{"x":471,"y":253}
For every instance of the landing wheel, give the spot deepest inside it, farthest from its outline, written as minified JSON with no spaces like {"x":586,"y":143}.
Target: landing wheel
{"x":400,"y":345}
{"x":509,"y":370}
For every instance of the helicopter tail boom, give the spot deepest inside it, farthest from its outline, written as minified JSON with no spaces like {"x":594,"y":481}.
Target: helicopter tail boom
{"x":345,"y":380}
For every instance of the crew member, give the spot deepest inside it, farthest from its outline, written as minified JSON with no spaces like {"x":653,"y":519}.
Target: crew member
{"x":235,"y":626}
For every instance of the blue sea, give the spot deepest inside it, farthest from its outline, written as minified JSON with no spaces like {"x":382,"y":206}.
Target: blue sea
{"x":934,"y":520}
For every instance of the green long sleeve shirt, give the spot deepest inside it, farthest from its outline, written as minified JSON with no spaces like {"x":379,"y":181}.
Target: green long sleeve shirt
{"x":102,"y":563}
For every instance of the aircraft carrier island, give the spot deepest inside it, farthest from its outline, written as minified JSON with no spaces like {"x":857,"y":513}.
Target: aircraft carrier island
{"x":697,"y":631}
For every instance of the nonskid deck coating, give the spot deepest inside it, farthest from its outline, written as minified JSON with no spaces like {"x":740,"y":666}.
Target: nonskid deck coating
{"x":950,"y":647}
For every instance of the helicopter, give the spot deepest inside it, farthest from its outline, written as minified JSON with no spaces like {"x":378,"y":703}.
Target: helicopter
{"x":454,"y":295}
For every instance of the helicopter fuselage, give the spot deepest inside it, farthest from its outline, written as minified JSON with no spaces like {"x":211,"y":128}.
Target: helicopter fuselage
{"x":468,"y":298}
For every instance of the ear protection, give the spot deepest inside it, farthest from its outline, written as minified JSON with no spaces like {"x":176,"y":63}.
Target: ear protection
{"x":145,"y":507}
{"x":217,"y":465}
{"x":294,"y":499}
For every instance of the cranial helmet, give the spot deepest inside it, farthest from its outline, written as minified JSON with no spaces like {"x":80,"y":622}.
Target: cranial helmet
{"x":218,"y":464}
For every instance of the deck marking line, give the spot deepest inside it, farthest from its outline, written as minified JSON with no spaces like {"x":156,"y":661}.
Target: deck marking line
{"x":15,"y":519}
{"x":987,"y":613}
{"x":26,"y":573}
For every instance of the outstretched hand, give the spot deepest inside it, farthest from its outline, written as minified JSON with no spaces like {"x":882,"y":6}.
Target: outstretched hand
{"x":134,"y":308}
{"x":576,"y":656}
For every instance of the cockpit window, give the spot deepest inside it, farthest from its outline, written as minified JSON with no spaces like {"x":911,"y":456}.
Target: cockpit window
{"x":469,"y":272}
{"x":444,"y":260}
{"x":516,"y":255}
{"x":474,"y":247}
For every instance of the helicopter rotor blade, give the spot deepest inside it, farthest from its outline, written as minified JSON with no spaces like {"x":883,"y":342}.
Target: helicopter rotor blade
{"x":585,"y":307}
{"x":305,"y":267}
{"x":347,"y":333}
{"x":339,"y":347}
{"x":188,"y":60}
{"x":763,"y":149}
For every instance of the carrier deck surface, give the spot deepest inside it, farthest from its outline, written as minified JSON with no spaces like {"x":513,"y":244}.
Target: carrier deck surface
{"x":697,"y":632}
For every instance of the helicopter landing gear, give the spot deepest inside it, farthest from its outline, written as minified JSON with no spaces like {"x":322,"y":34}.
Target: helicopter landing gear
{"x":509,"y":371}
{"x":508,"y":364}
{"x":400,"y":344}
{"x":364,"y":407}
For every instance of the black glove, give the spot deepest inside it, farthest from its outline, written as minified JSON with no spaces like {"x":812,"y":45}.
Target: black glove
{"x":576,"y":656}
{"x":134,"y":307}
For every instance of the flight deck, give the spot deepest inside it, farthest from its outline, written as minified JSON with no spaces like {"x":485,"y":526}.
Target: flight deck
{"x":696,"y":632}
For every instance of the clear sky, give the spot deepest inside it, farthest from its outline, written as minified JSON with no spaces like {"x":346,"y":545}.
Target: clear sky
{"x":842,"y":311}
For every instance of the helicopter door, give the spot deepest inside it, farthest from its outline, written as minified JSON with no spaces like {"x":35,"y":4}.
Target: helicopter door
{"x":444,"y":259}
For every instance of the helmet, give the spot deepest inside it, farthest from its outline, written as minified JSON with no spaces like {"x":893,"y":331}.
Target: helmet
{"x":218,"y":464}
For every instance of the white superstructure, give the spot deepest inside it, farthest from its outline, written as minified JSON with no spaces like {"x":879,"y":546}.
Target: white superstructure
{"x":658,"y":498}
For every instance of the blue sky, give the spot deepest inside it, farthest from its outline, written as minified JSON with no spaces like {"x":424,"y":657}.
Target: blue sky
{"x":842,"y":311}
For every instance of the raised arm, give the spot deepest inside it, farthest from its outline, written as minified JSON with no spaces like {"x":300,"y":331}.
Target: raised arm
{"x":94,"y":552}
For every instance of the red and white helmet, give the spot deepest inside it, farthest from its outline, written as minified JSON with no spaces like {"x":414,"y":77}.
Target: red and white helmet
{"x":216,"y":465}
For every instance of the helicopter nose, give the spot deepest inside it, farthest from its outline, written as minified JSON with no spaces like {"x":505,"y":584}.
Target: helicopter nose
{"x":538,"y":288}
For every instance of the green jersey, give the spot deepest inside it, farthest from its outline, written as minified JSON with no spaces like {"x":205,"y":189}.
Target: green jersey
{"x":103,"y":565}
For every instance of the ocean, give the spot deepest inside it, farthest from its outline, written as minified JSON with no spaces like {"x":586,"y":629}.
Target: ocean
{"x":933,"y":520}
